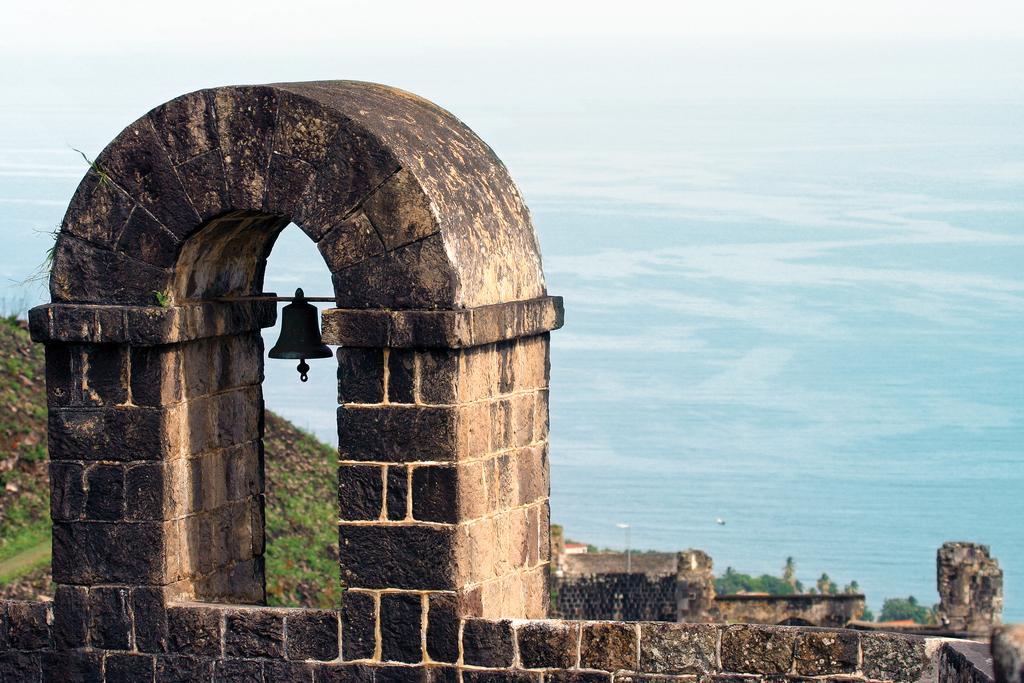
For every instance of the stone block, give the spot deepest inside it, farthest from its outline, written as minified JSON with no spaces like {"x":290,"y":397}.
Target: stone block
{"x":70,"y":617}
{"x":145,"y":239}
{"x":358,"y":625}
{"x":435,"y":494}
{"x":123,"y":434}
{"x":156,"y":375}
{"x":400,"y":627}
{"x":96,"y":552}
{"x":577,"y":677}
{"x":415,"y":276}
{"x":254,"y":633}
{"x":439,"y":376}
{"x":194,"y":631}
{"x":67,"y":490}
{"x":185,"y":126}
{"x":245,"y":128}
{"x":204,"y":179}
{"x":349,"y":242}
{"x":541,"y":421}
{"x":398,"y":433}
{"x":442,"y":628}
{"x":139,"y":164}
{"x":479,"y":373}
{"x":98,"y":211}
{"x":312,"y":634}
{"x":758,"y":649}
{"x":403,"y":557}
{"x":300,"y":672}
{"x":28,"y":625}
{"x":289,"y":182}
{"x":360,"y":375}
{"x":889,"y":656}
{"x":523,"y":409}
{"x":548,"y":645}
{"x":488,"y":643}
{"x":83,"y":273}
{"x":244,"y":471}
{"x":532,"y":474}
{"x":150,"y":619}
{"x":110,"y":622}
{"x":398,"y":492}
{"x":360,"y":491}
{"x":304,"y":129}
{"x":183,"y":669}
{"x":73,"y":666}
{"x":400,"y":211}
{"x":401,"y":376}
{"x":827,"y":652}
{"x":353,"y":164}
{"x":105,"y":492}
{"x":501,"y":677}
{"x":678,"y":648}
{"x":501,"y":424}
{"x":129,"y":667}
{"x":608,"y":646}
{"x":238,"y":671}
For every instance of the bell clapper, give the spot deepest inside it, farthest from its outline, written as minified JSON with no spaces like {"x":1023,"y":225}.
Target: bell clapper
{"x":303,"y":369}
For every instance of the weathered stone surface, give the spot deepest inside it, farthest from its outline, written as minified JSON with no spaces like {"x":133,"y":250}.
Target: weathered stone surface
{"x":435,"y":494}
{"x":183,"y":669}
{"x":98,"y":210}
{"x":81,"y":666}
{"x":827,"y":652}
{"x":238,"y":671}
{"x":185,"y":126}
{"x":577,"y":677}
{"x":360,"y":375}
{"x":398,"y":492}
{"x":254,"y":633}
{"x":129,"y":667}
{"x":608,"y":646}
{"x":501,"y":676}
{"x":350,"y":242}
{"x":416,"y":275}
{"x":757,"y":649}
{"x":678,"y":648}
{"x":105,"y":497}
{"x":123,"y":434}
{"x":193,"y":631}
{"x":404,"y":557}
{"x":358,"y":625}
{"x":1008,"y":653}
{"x":67,"y":490}
{"x":401,"y":376}
{"x":110,"y":622}
{"x":86,"y":274}
{"x":397,"y":433}
{"x":400,"y":211}
{"x":891,"y":656}
{"x":245,"y":129}
{"x":360,"y":491}
{"x":313,"y":635}
{"x":488,"y":643}
{"x":70,"y":617}
{"x":400,"y":625}
{"x":97,"y":552}
{"x":443,"y":628}
{"x":150,"y":619}
{"x":300,"y":672}
{"x":27,"y":625}
{"x":547,"y":645}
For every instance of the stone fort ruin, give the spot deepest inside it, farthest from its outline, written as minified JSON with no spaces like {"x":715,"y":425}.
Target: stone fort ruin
{"x":442,"y":317}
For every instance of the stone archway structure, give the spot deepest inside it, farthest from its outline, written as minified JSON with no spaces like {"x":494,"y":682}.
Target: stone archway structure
{"x":156,"y":410}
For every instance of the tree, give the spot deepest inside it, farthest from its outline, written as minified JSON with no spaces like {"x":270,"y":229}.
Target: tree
{"x":867,"y":615}
{"x":826,"y":586}
{"x":789,"y":572}
{"x":903,"y":609}
{"x":852,"y":587}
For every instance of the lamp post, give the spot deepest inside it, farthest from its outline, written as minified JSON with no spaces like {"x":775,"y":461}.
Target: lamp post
{"x":629,"y":556}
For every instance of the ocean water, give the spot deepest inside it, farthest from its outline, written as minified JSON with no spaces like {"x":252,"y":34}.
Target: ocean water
{"x":801,"y":316}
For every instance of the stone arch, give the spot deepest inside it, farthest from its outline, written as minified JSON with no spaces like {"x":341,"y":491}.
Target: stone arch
{"x":443,"y":318}
{"x":409,"y":208}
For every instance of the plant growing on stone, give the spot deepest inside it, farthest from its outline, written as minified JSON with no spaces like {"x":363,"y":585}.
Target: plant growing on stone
{"x":163,"y":299}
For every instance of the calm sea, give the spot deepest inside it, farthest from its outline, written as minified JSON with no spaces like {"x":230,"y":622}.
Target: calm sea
{"x":803,"y":318}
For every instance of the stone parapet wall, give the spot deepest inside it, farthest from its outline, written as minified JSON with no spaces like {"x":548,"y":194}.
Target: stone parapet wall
{"x":834,"y":611}
{"x":399,"y":642}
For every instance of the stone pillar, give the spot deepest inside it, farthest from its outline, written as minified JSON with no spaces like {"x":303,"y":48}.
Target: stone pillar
{"x":155,"y":425}
{"x":970,"y":585}
{"x":695,"y":586}
{"x":443,"y":471}
{"x":1008,"y":654}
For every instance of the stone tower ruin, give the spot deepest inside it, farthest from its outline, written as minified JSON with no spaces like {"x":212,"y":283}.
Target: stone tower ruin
{"x":970,"y":586}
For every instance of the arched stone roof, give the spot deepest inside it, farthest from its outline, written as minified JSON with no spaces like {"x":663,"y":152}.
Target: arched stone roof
{"x":409,"y":208}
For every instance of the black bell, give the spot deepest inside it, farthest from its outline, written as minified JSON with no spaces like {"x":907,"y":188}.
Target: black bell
{"x":300,"y":334}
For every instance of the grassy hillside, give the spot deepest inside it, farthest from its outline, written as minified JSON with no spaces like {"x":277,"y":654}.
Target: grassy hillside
{"x":302,"y":540}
